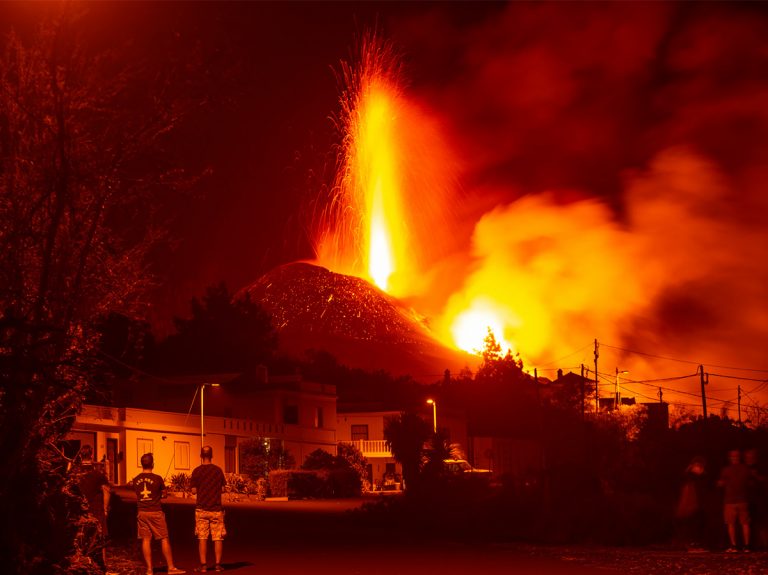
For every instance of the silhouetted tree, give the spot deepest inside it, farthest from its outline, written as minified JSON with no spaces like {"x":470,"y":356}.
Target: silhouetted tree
{"x":497,"y":366}
{"x":224,"y":334}
{"x":405,"y":435}
{"x":439,"y":448}
{"x":258,"y":457}
{"x":80,"y":168}
{"x":320,"y":459}
{"x":354,"y":458}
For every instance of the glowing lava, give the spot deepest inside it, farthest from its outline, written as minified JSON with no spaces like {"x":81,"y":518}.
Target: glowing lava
{"x":374,"y":153}
{"x":387,"y":221}
{"x":470,"y":327}
{"x":364,"y":233}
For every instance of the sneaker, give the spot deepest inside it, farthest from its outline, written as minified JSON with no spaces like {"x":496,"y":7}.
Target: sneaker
{"x":218,"y":567}
{"x":175,"y":571}
{"x":200,"y":569}
{"x":731,"y":550}
{"x":745,"y":550}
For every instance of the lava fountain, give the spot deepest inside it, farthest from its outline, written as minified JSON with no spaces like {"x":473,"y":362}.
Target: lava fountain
{"x":393,"y":188}
{"x":390,"y":216}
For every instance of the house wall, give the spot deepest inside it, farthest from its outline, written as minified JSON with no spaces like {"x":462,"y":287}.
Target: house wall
{"x":175,"y":441}
{"x":378,"y":460}
{"x":507,"y":456}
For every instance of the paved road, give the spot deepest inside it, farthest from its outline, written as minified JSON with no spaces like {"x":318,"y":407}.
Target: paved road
{"x":325,"y":537}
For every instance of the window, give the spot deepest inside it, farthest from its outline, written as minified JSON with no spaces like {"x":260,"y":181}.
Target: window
{"x":360,"y":432}
{"x":142,"y":446}
{"x":290,"y":414}
{"x":230,"y":454}
{"x":181,"y":454}
{"x":230,"y":459}
{"x":319,"y":417}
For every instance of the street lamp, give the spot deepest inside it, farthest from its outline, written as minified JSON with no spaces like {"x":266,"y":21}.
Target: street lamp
{"x":202,"y":415}
{"x":616,"y":404}
{"x":434,"y":413}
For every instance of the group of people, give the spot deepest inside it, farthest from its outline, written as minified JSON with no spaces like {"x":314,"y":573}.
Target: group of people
{"x":744,"y":489}
{"x":207,"y":483}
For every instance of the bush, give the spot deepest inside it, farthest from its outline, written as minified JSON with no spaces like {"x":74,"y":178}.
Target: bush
{"x":278,"y":482}
{"x":180,"y":482}
{"x":314,"y":484}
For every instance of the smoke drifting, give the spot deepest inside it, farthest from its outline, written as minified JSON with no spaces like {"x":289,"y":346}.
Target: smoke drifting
{"x":615,"y":161}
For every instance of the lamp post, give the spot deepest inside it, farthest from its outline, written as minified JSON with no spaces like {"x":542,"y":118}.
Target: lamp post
{"x":434,"y":413}
{"x":616,"y":404}
{"x":202,"y":413}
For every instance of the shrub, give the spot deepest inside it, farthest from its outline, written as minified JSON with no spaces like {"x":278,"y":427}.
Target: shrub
{"x":180,"y":482}
{"x":314,"y":484}
{"x":278,"y":482}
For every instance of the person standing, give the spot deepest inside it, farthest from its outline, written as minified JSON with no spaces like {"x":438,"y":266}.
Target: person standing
{"x":96,"y":490}
{"x":149,"y":488}
{"x":735,"y":479}
{"x":207,"y":483}
{"x":758,"y":499}
{"x":691,"y":510}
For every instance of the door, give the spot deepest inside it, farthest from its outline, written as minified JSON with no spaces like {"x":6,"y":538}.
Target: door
{"x":111,"y":463}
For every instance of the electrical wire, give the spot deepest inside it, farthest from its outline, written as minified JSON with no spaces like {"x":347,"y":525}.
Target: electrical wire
{"x":682,"y":360}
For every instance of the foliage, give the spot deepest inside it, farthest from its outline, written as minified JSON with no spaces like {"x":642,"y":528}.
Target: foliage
{"x":237,"y":484}
{"x":319,"y":459}
{"x":355,"y":385}
{"x":439,"y":448}
{"x":315,"y":483}
{"x":356,"y":461}
{"x":224,"y":334}
{"x":80,"y":168}
{"x":497,"y":366}
{"x":278,"y":482}
{"x":348,"y":463}
{"x":180,"y":482}
{"x":405,"y":435}
{"x":258,"y":457}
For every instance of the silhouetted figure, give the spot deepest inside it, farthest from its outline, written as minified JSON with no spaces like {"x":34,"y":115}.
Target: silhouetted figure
{"x":691,"y":507}
{"x":207,"y":482}
{"x":149,"y":488}
{"x":94,"y":487}
{"x":758,"y":499}
{"x":735,"y":479}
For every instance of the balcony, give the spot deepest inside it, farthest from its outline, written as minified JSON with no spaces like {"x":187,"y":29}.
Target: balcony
{"x":371,"y":447}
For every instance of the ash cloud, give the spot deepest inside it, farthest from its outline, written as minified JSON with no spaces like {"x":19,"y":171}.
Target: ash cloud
{"x":615,"y":160}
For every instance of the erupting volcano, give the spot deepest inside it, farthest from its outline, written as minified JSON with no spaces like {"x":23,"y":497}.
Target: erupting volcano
{"x":359,"y":324}
{"x":545,"y":263}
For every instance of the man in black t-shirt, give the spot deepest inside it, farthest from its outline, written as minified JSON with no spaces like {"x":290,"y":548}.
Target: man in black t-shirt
{"x":207,"y":483}
{"x":149,"y":488}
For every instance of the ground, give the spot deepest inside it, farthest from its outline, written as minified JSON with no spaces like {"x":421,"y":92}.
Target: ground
{"x":324,"y":538}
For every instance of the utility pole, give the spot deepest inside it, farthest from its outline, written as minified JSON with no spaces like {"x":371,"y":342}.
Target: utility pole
{"x":704,"y":381}
{"x":616,"y":400}
{"x":661,"y":396}
{"x":739,"y":405}
{"x":597,"y":389}
{"x":582,"y":392}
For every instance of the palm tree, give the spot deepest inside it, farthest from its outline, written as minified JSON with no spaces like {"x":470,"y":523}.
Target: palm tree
{"x":438,"y":450}
{"x":405,"y":435}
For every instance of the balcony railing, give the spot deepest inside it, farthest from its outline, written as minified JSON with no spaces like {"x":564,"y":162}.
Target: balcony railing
{"x":371,"y":447}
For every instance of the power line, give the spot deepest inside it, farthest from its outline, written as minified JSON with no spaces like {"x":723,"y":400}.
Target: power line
{"x":569,"y":355}
{"x":764,"y":381}
{"x":683,"y":360}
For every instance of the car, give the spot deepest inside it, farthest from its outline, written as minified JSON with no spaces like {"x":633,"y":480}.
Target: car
{"x":463,"y":467}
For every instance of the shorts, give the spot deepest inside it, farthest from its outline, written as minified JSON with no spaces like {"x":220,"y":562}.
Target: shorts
{"x":736,"y":512}
{"x":210,"y":523}
{"x":152,"y":524}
